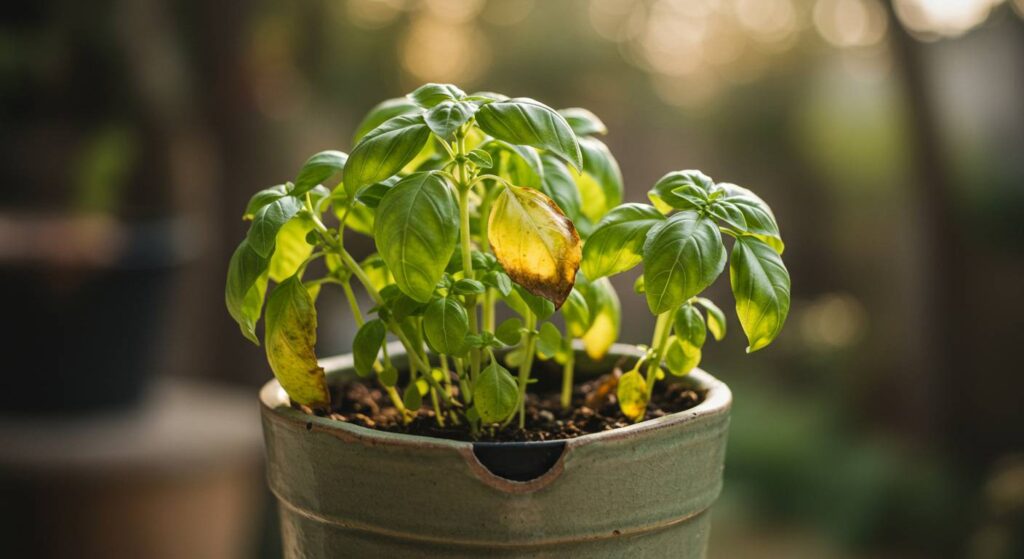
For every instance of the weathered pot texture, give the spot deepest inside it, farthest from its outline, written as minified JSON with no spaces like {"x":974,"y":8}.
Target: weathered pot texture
{"x":638,"y":491}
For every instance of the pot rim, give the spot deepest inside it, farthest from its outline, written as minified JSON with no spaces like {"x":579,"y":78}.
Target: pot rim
{"x":274,"y":401}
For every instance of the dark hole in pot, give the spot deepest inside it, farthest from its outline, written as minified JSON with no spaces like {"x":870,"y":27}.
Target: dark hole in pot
{"x":519,"y":461}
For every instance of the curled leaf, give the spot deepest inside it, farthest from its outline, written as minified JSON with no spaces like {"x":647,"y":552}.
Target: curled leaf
{"x":535,"y":242}
{"x":605,"y":318}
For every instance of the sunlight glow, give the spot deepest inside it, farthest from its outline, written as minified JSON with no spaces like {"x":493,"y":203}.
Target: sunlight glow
{"x":850,"y":23}
{"x":932,"y":19}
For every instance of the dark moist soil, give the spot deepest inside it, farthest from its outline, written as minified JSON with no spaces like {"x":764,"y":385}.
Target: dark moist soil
{"x":594,"y":409}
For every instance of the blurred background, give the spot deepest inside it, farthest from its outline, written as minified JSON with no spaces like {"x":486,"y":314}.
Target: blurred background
{"x":886,"y":421}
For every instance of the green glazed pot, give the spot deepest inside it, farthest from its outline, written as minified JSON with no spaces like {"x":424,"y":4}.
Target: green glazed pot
{"x":639,"y":491}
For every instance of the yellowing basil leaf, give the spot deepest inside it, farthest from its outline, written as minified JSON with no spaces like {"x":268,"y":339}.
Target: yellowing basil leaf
{"x":617,"y":243}
{"x":690,"y":326}
{"x":716,"y":318}
{"x":681,"y":357}
{"x":677,"y":190}
{"x":576,"y":314}
{"x":495,"y":394}
{"x":760,"y":284}
{"x":291,"y":337}
{"x":600,"y":179}
{"x":605,"y":318}
{"x":292,"y":249}
{"x":527,"y":122}
{"x":682,"y":256}
{"x":535,"y":243}
{"x":416,"y":229}
{"x":384,"y":151}
{"x":632,"y":395}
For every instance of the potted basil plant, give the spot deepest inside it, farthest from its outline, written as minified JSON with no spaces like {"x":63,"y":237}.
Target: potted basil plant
{"x":496,"y":223}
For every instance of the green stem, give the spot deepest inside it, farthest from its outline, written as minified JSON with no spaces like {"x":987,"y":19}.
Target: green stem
{"x":526,"y":365}
{"x":662,"y":331}
{"x":467,"y":270}
{"x":567,"y":371}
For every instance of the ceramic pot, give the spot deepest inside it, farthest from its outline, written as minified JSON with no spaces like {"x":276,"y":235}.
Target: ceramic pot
{"x":639,"y":491}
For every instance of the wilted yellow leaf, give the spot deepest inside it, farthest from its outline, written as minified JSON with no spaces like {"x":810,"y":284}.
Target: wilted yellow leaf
{"x":535,"y":242}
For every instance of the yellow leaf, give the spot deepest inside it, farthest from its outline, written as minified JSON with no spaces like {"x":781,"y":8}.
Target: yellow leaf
{"x":290,"y":340}
{"x":535,"y":242}
{"x":632,"y":394}
{"x":605,"y":312}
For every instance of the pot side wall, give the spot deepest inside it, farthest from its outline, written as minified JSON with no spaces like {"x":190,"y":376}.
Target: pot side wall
{"x":645,"y":490}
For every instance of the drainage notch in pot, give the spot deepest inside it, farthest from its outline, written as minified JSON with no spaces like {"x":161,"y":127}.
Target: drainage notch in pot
{"x":519,"y":461}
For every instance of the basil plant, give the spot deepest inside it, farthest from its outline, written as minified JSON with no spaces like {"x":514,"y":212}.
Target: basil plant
{"x":476,"y":200}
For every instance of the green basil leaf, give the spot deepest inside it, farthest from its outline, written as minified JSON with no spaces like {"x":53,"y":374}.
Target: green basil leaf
{"x":268,"y":221}
{"x":376,"y":271}
{"x":384,"y":151}
{"x":317,"y":169}
{"x":601,"y":180}
{"x":371,"y":195}
{"x":412,"y":398}
{"x":447,"y":117}
{"x":522,"y":301}
{"x":576,"y":313}
{"x":690,"y":326}
{"x":744,"y":211}
{"x":716,"y":318}
{"x":480,"y":158}
{"x":433,"y":94}
{"x":245,"y":288}
{"x":488,"y":96}
{"x":495,"y":394}
{"x":682,"y":256}
{"x":291,"y":249}
{"x":416,"y":230}
{"x":638,"y":286}
{"x":468,"y":287}
{"x":262,"y":198}
{"x":664,"y":195}
{"x":445,"y":324}
{"x":383,"y":112}
{"x":521,"y":165}
{"x":509,"y":332}
{"x":366,"y":345}
{"x":499,"y":280}
{"x":617,"y":243}
{"x":605,"y":317}
{"x":549,"y":341}
{"x":527,"y":122}
{"x":291,"y":338}
{"x":760,"y":284}
{"x":559,"y":185}
{"x":583,"y":122}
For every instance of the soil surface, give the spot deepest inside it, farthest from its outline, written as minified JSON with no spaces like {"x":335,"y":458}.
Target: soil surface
{"x":594,"y":409}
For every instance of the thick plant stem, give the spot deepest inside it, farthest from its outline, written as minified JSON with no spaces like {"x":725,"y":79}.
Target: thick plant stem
{"x":467,"y":270}
{"x":567,"y":371}
{"x":526,"y":365}
{"x":662,"y":331}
